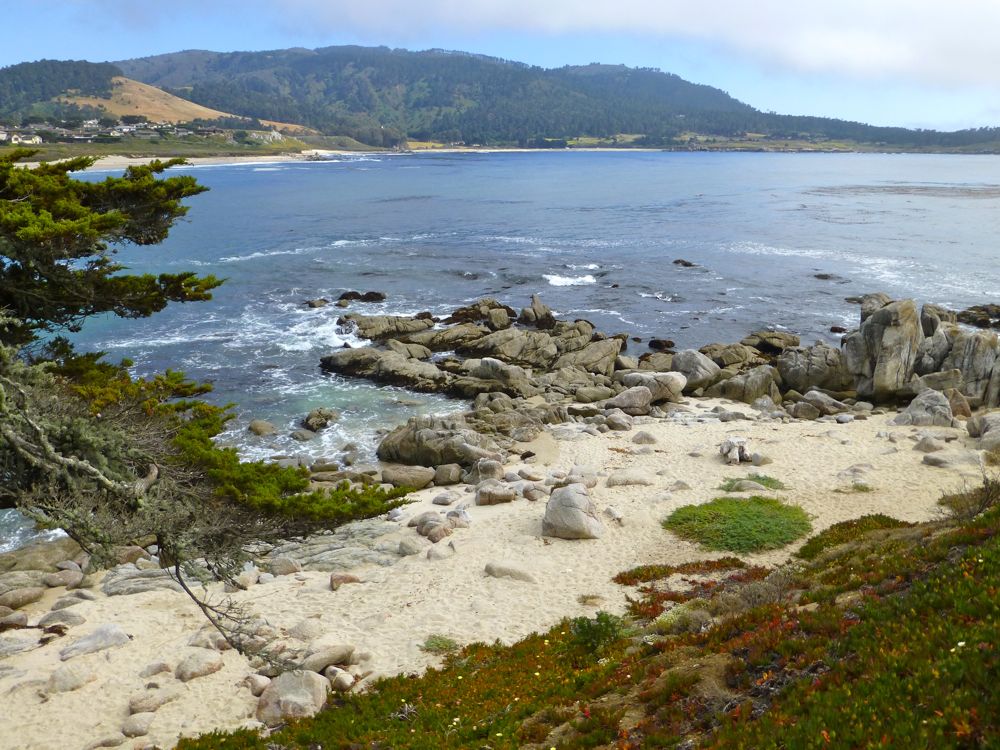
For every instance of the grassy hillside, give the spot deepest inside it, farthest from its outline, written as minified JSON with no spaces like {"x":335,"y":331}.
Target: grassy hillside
{"x":881,"y":634}
{"x":128,"y":97}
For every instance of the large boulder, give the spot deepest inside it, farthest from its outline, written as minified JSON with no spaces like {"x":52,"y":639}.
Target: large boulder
{"x":430,"y":441}
{"x":400,"y":475}
{"x":932,"y":316}
{"x":598,"y":357}
{"x":985,"y":427}
{"x":40,"y":555}
{"x":818,"y":366}
{"x":882,"y":354}
{"x":975,"y":355}
{"x":447,"y":339}
{"x":538,"y":314}
{"x":104,"y":637}
{"x":570,"y":514}
{"x":634,"y":401}
{"x":663,"y":386}
{"x":698,"y":370}
{"x":934,"y":349}
{"x":749,"y":386}
{"x":872,"y":303}
{"x":292,"y":695}
{"x":930,"y":408}
{"x":379,"y":327}
{"x":729,"y":355}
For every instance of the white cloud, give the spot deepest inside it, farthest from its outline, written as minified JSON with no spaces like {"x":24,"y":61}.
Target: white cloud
{"x":926,"y":41}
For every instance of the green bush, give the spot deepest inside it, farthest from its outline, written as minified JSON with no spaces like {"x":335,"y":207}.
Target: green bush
{"x":594,"y":635}
{"x":847,"y":531}
{"x":738,"y":525}
{"x":439,"y":644}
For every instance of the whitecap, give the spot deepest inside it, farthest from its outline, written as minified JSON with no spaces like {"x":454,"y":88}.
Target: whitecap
{"x":555,"y":280}
{"x":583,"y":266}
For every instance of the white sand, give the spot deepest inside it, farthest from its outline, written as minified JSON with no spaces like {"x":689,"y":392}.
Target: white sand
{"x":396,"y":608}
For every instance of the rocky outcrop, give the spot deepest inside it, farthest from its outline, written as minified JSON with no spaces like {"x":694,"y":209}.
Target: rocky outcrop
{"x":749,"y":386}
{"x":985,"y":427}
{"x":430,"y":441}
{"x":882,"y":354}
{"x":378,"y":327}
{"x":663,"y":386}
{"x":771,"y":342}
{"x":292,"y":695}
{"x":817,"y":366}
{"x":974,"y":355}
{"x":929,"y":408}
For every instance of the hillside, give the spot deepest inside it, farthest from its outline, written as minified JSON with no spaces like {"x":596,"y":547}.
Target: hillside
{"x":384,"y":97}
{"x":128,"y":97}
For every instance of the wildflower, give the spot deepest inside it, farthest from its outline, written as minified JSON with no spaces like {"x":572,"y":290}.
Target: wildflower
{"x":539,"y":674}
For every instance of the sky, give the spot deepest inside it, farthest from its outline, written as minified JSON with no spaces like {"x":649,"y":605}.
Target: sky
{"x":915,"y":63}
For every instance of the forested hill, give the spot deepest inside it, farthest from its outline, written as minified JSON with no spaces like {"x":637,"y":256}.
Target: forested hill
{"x":27,"y":84}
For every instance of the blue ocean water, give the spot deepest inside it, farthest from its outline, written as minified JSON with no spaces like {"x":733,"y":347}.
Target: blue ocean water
{"x":595,"y":234}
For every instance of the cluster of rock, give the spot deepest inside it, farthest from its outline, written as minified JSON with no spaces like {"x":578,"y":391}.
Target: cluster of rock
{"x":530,"y":370}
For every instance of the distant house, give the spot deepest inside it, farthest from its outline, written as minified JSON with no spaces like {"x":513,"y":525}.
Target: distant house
{"x":3,"y":136}
{"x":29,"y":139}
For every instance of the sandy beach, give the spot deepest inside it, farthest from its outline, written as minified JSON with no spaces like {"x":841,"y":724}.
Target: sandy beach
{"x":391,"y":612}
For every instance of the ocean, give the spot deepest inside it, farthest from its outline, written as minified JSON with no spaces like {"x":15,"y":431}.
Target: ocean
{"x":776,"y":240}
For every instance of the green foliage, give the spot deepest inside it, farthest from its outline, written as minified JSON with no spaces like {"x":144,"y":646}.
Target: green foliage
{"x":439,"y":644}
{"x":27,"y":84}
{"x":58,"y":236}
{"x":966,"y":505}
{"x":762,"y":479}
{"x":738,"y":525}
{"x":847,"y":531}
{"x":594,"y":635}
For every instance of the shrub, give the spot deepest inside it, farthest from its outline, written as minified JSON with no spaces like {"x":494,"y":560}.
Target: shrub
{"x":439,"y":644}
{"x":738,"y":525}
{"x":964,"y":506}
{"x":847,"y":531}
{"x":689,"y":617}
{"x":594,"y":635}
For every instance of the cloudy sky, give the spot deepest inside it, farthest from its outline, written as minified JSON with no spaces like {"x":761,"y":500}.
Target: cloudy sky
{"x":918,"y":63}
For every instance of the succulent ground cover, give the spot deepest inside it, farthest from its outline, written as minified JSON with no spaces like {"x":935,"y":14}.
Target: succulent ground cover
{"x":735,"y":524}
{"x":885,"y":635}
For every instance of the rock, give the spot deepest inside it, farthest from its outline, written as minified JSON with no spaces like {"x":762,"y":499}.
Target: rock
{"x":635,"y":401}
{"x":319,"y":419}
{"x":155,"y":668}
{"x":104,"y":637}
{"x":262,"y":428}
{"x":771,"y":342}
{"x":303,"y":436}
{"x":379,"y":327}
{"x":974,"y":354}
{"x":663,"y":386}
{"x":317,"y":303}
{"x":684,"y":263}
{"x":198,"y":664}
{"x":416,"y":477}
{"x":427,"y":517}
{"x":619,"y":421}
{"x":628,"y":477}
{"x":15,"y":620}
{"x":436,"y":533}
{"x":871,"y":303}
{"x":137,"y":725}
{"x":284,"y":566}
{"x":69,"y":677}
{"x":749,"y":386}
{"x":727,"y":355}
{"x":759,"y":459}
{"x":447,"y":474}
{"x":657,"y":362}
{"x":748,"y":485}
{"x":446,"y":498}
{"x":698,"y":370}
{"x":152,"y":700}
{"x":804,"y":410}
{"x":591,"y":394}
{"x":111,"y":740}
{"x":498,"y":319}
{"x":882,"y":354}
{"x":735,"y":449}
{"x":844,"y":418}
{"x":319,"y":660}
{"x":125,"y":580}
{"x":598,"y":357}
{"x":927,"y":444}
{"x":17,"y":598}
{"x":644,"y":438}
{"x":340,"y":680}
{"x":615,"y":515}
{"x":819,"y":366}
{"x":483,"y":469}
{"x":929,"y":408}
{"x":960,"y":407}
{"x":292,"y":695}
{"x":570,"y":514}
{"x":68,"y":578}
{"x":825,"y":404}
{"x":538,"y":315}
{"x":409,"y":547}
{"x":951,"y":459}
{"x":257,"y":684}
{"x":494,"y":492}
{"x":61,"y":617}
{"x":340,"y":579}
{"x":985,"y":427}
{"x":679,"y":486}
{"x":429,"y":441}
{"x":410,"y":351}
{"x":39,"y":556}
{"x":506,"y":570}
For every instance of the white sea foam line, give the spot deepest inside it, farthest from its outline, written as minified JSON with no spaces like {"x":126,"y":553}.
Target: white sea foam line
{"x":555,"y":280}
